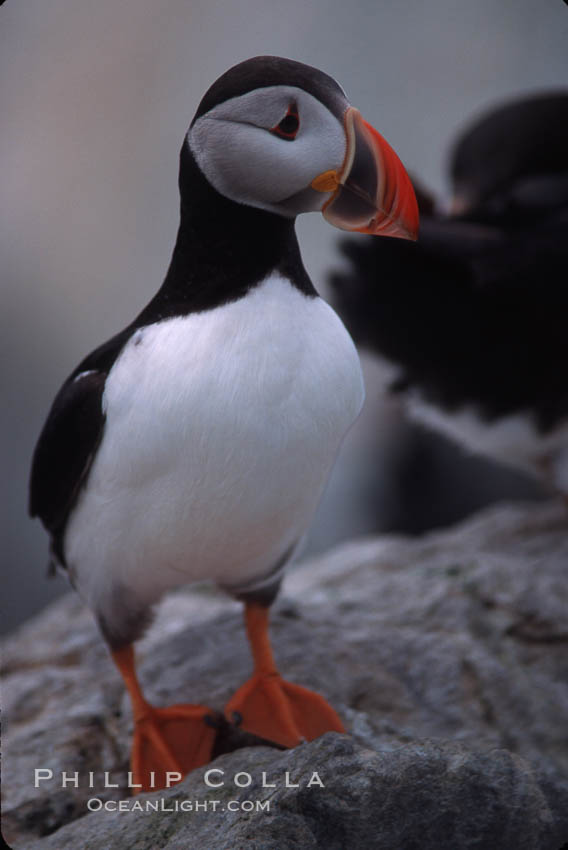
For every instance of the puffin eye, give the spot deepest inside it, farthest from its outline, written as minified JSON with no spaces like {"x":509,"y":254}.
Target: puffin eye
{"x":289,"y":126}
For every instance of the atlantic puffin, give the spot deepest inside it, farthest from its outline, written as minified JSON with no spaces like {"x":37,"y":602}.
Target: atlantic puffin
{"x":196,"y":443}
{"x":471,"y":319}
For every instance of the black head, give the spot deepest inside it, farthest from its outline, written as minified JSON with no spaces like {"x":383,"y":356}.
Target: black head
{"x":514,"y":155}
{"x":264,"y":71}
{"x":281,"y":136}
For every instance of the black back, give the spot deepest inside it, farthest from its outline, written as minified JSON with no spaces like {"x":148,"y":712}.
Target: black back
{"x":476,"y":311}
{"x":470,"y":316}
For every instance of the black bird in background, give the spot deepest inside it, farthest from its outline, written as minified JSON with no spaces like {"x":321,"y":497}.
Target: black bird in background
{"x":473,"y":318}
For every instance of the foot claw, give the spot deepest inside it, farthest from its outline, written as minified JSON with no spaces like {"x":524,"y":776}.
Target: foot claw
{"x":212,"y":720}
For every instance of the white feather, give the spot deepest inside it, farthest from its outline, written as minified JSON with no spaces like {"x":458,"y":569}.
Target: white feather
{"x":221,"y":430}
{"x":246,"y":163}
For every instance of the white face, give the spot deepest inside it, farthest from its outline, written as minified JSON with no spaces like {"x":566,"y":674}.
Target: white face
{"x":235,"y":149}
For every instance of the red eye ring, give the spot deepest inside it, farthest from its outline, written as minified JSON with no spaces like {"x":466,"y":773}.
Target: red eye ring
{"x":288,"y":127}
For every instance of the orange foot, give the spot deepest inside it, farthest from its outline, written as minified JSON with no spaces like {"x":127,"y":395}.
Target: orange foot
{"x":168,"y":743}
{"x":269,"y":706}
{"x":280,"y":711}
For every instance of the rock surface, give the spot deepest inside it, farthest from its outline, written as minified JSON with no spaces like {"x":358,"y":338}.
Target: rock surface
{"x":446,"y":656}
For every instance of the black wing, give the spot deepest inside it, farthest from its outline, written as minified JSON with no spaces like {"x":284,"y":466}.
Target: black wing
{"x":469,"y":314}
{"x":69,"y":440}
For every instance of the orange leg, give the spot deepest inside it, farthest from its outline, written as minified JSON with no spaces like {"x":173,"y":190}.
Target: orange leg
{"x":269,"y":706}
{"x":172,"y":740}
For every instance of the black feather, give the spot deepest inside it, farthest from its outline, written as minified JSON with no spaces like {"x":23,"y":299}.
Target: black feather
{"x":69,"y":440}
{"x":475,"y":313}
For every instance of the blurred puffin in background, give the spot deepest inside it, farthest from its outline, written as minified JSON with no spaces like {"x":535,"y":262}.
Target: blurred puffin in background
{"x":471,"y":319}
{"x":197,"y":442}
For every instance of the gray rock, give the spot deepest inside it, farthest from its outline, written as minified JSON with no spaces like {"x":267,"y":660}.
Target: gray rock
{"x":446,"y":656}
{"x":422,"y":795}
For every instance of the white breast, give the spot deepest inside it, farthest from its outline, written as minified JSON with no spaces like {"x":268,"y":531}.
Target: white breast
{"x":221,"y":430}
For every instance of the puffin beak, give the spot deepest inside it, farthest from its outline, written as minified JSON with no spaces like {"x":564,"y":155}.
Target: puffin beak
{"x":372,"y":192}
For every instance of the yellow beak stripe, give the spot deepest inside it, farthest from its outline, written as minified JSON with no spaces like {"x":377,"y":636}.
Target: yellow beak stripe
{"x":328,"y":181}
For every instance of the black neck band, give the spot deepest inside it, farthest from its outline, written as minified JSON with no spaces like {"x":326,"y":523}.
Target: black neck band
{"x":222,"y":250}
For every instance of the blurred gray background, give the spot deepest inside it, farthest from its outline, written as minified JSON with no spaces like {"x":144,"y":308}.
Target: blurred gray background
{"x":96,"y":99}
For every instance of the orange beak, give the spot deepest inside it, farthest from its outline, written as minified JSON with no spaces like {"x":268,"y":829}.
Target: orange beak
{"x":372,"y":192}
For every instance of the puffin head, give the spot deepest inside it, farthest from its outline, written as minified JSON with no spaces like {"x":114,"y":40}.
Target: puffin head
{"x":281,"y":136}
{"x":512,"y":159}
